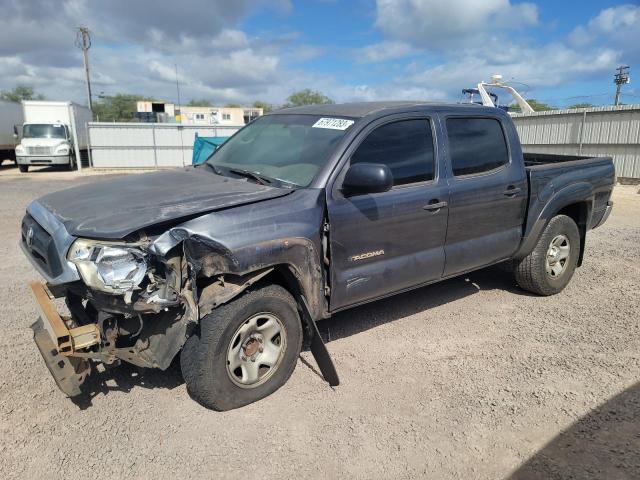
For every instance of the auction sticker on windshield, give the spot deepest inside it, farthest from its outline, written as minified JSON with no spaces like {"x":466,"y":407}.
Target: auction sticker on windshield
{"x":333,"y":123}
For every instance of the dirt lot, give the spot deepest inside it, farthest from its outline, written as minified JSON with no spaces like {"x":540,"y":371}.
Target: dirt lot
{"x":471,"y":378}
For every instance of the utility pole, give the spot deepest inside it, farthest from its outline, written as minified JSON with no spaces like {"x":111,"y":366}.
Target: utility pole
{"x":620,"y":79}
{"x":83,"y":42}
{"x":179,"y":116}
{"x":178,"y":113}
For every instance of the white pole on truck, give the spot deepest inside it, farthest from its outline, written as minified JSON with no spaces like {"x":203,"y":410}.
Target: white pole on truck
{"x":496,"y":82}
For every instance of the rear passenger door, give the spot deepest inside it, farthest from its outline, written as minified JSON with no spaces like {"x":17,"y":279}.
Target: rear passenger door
{"x":487,"y":197}
{"x":390,"y":241}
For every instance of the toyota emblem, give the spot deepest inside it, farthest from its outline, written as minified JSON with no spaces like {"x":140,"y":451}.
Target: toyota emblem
{"x":29,"y":237}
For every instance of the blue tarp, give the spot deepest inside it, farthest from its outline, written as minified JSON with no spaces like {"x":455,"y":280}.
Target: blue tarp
{"x":203,"y":147}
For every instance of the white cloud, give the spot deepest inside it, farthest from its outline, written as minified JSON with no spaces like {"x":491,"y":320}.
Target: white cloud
{"x":619,"y":27}
{"x":476,"y":40}
{"x":452,"y":44}
{"x":442,"y":24}
{"x":136,"y":45}
{"x":383,"y":51}
{"x":612,"y":20}
{"x":549,"y":66}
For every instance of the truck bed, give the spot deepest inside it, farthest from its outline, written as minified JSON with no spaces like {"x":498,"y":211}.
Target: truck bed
{"x":537,"y":159}
{"x":554,"y":179}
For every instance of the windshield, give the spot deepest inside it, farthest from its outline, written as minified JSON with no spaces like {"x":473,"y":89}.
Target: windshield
{"x":288,"y":148}
{"x":35,"y":130}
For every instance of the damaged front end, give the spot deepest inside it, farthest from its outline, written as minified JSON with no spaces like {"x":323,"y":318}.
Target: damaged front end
{"x":140,"y":298}
{"x":128,"y":304}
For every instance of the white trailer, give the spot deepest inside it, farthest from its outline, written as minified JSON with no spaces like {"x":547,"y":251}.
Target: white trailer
{"x":54,"y":133}
{"x":11,"y":118}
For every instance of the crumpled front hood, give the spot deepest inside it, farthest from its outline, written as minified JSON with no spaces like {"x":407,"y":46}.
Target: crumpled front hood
{"x":114,"y":208}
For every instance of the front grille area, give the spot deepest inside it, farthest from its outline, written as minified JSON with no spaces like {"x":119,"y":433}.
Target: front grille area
{"x":40,"y":245}
{"x":40,"y":150}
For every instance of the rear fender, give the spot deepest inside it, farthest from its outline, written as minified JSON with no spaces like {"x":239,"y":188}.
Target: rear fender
{"x":577,"y":193}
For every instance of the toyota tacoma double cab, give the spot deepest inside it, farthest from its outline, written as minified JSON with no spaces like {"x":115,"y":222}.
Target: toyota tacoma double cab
{"x":303,"y":213}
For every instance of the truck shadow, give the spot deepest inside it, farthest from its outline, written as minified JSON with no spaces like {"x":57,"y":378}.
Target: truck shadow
{"x":126,"y":377}
{"x":605,"y":443}
{"x":372,"y":315}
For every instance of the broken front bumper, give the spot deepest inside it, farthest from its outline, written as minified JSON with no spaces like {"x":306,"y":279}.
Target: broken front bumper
{"x":59,"y":344}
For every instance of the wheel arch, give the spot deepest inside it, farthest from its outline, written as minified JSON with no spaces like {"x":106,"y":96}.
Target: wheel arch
{"x":574,"y":201}
{"x":580,"y":213}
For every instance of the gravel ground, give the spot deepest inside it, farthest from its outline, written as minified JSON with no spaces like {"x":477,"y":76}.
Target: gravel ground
{"x":470,"y":378}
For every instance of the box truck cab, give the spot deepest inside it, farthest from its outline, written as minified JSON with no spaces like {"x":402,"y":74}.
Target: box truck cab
{"x":54,"y":133}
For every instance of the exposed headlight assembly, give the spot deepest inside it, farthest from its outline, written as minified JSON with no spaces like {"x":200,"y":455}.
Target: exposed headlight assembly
{"x":112,"y":268}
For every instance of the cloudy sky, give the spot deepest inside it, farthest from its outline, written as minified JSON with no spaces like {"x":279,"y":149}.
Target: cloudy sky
{"x":244,"y":50}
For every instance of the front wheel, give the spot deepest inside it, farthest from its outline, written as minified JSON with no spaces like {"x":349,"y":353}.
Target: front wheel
{"x":549,"y":267}
{"x":23,"y":168}
{"x":245,"y":350}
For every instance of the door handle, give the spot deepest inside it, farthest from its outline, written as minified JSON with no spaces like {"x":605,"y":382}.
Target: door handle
{"x":511,"y":191}
{"x":436,"y":205}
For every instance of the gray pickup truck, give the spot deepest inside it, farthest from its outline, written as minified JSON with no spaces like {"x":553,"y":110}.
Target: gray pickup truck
{"x":303,"y":213}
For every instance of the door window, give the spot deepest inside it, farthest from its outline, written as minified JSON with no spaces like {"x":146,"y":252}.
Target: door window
{"x":406,"y":147}
{"x":476,"y":145}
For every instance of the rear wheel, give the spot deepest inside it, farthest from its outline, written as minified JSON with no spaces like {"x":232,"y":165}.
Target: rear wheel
{"x":549,"y":267}
{"x":23,"y":168}
{"x":245,"y":350}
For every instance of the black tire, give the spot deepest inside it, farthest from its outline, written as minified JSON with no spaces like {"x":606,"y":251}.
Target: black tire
{"x":204,"y":356}
{"x":23,"y":168}
{"x":72,"y":165}
{"x":531,"y":272}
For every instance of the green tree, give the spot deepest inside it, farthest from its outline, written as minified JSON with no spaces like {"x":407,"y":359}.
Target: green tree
{"x":203,"y":102}
{"x":535,"y":104}
{"x":266,"y":107}
{"x":118,"y":108}
{"x":233,"y":105}
{"x":19,"y":93}
{"x":581,"y":105}
{"x":307,"y":97}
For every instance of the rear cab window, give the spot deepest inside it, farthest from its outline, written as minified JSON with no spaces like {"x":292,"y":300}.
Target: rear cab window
{"x":476,"y":145}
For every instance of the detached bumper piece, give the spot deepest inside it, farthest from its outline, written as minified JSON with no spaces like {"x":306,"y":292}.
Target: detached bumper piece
{"x":58,"y":343}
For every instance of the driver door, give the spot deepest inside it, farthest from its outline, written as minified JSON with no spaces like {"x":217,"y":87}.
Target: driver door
{"x":387,"y":242}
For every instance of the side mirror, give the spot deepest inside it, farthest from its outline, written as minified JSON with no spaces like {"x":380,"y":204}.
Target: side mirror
{"x":367,"y":178}
{"x":15,"y":132}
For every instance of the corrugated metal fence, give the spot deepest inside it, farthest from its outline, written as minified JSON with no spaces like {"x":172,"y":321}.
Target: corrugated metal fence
{"x":598,"y":131}
{"x":147,"y":145}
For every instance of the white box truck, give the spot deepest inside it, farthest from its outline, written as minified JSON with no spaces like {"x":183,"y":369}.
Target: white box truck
{"x":54,"y":133}
{"x":10,"y":119}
